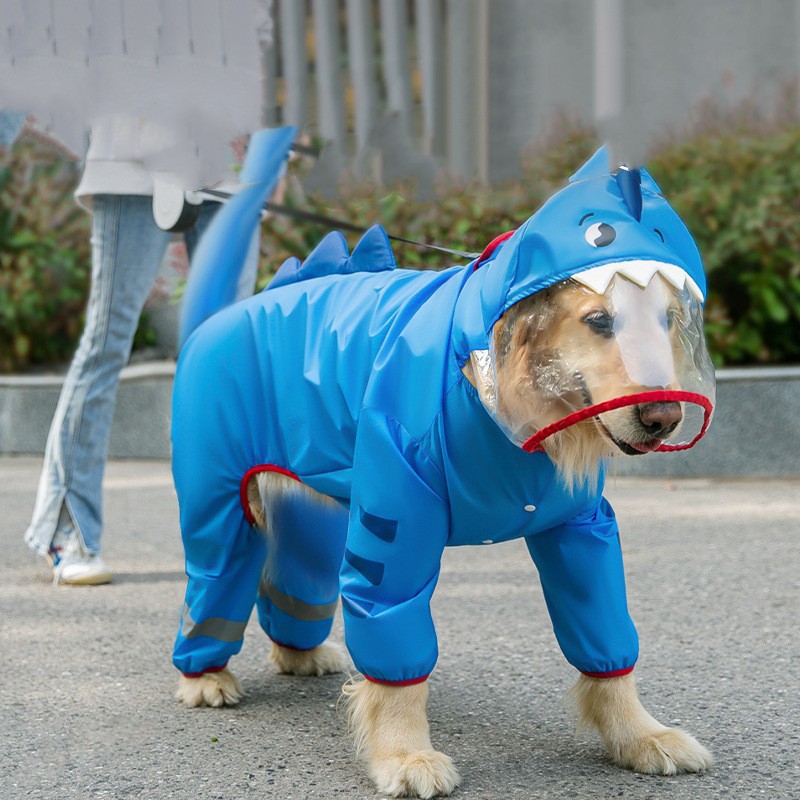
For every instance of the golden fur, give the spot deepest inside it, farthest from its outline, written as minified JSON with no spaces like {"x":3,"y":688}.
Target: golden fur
{"x":389,"y":724}
{"x":633,"y":738}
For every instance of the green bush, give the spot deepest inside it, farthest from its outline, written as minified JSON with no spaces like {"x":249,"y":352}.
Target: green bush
{"x":736,"y":186}
{"x":44,"y":257}
{"x":739,"y":194}
{"x":737,"y":190}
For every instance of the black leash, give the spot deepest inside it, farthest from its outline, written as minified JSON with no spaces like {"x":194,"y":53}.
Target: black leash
{"x":320,"y":219}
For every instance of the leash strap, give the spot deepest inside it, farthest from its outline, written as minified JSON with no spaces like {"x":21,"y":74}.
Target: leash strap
{"x":320,"y":219}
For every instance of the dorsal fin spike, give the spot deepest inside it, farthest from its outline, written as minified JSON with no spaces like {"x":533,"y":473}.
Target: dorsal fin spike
{"x":597,"y":166}
{"x":373,"y":253}
{"x":630,"y":184}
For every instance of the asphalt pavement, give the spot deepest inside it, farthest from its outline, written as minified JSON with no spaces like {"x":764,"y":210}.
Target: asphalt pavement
{"x":86,"y":696}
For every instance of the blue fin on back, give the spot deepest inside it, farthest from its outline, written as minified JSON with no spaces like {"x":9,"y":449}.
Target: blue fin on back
{"x":373,"y":253}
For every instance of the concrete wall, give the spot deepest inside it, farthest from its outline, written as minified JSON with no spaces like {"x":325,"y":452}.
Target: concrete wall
{"x":141,"y":421}
{"x":755,"y":431}
{"x":479,"y":80}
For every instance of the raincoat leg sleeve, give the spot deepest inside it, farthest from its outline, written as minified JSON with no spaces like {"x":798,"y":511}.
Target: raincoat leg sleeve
{"x":299,"y":589}
{"x":223,"y":565}
{"x":224,"y":553}
{"x":580,"y":568}
{"x":399,"y":523}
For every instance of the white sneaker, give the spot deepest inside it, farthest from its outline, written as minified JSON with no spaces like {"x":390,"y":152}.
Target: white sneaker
{"x":74,"y":566}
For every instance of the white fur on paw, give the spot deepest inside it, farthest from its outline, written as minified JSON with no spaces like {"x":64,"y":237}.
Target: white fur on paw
{"x":667,"y":752}
{"x":426,"y":773}
{"x":214,"y":689}
{"x":325,"y":659}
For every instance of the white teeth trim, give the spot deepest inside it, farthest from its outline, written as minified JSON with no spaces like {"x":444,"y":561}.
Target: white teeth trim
{"x":641,"y":273}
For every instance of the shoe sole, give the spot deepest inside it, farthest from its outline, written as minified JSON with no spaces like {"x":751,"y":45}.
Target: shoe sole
{"x":98,"y":579}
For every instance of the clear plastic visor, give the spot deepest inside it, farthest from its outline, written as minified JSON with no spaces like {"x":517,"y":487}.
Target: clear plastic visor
{"x":631,"y":361}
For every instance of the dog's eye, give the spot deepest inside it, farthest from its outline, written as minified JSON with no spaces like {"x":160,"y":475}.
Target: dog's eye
{"x":600,"y":323}
{"x":600,"y":234}
{"x":673,"y":315}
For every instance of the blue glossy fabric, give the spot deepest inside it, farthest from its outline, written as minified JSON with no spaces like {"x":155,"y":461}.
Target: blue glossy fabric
{"x":212,"y":283}
{"x":347,"y":372}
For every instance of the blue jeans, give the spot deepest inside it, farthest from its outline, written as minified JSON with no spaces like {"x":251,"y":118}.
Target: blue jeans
{"x":127,"y":249}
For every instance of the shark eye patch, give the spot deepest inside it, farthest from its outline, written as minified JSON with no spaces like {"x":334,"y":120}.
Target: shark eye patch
{"x":600,"y":234}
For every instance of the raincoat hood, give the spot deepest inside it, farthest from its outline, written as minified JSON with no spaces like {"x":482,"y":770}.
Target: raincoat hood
{"x":588,"y":224}
{"x":630,"y":335}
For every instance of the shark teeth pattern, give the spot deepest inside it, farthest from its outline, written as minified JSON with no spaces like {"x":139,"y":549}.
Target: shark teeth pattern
{"x":641,"y":273}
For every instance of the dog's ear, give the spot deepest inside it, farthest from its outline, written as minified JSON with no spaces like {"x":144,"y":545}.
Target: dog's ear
{"x":516,"y":332}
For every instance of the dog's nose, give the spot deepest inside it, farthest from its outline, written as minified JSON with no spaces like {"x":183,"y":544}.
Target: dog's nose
{"x":660,"y":419}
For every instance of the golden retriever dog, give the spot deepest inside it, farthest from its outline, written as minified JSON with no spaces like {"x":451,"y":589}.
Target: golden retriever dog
{"x":556,"y":334}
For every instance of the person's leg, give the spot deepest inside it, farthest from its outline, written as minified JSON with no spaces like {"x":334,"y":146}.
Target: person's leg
{"x":127,"y":248}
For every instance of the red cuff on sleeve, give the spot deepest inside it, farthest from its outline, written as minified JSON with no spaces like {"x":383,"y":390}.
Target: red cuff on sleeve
{"x":289,"y":647}
{"x":204,"y":672}
{"x":410,"y":682}
{"x":617,"y":673}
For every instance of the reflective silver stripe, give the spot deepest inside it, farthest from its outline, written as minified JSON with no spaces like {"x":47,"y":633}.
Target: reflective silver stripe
{"x":224,"y":630}
{"x":298,"y":609}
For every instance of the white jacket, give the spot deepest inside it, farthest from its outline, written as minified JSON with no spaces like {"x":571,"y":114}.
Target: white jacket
{"x":164,"y":85}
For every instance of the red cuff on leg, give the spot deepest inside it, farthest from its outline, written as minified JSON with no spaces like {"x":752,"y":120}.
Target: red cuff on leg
{"x":410,"y":682}
{"x":289,"y":647}
{"x":204,"y":672}
{"x":617,"y":673}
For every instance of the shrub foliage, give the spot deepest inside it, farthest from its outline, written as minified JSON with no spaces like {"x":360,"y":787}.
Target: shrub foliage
{"x":44,"y":257}
{"x":737,"y":187}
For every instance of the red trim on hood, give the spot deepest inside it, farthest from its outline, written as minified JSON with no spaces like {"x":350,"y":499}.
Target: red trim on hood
{"x":246,"y":479}
{"x":492,"y":246}
{"x":661,"y":396}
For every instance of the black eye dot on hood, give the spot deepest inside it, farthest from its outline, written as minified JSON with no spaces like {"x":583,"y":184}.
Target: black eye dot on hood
{"x":600,"y":234}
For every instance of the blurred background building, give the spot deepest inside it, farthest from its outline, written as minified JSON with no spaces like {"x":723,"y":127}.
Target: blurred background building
{"x":410,"y":87}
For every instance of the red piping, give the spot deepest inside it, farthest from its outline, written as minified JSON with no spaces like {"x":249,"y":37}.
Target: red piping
{"x":492,"y":246}
{"x":246,"y":479}
{"x":409,"y":682}
{"x":205,"y":671}
{"x":662,"y":396}
{"x":617,"y":673}
{"x":289,"y":647}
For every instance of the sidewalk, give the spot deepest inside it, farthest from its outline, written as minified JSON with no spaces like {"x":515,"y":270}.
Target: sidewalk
{"x":713,"y":583}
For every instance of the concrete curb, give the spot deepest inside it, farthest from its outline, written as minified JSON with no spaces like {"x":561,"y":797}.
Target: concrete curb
{"x":141,"y":421}
{"x":755,"y":432}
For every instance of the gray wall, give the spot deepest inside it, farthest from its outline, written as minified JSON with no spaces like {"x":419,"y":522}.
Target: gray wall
{"x":499,"y":71}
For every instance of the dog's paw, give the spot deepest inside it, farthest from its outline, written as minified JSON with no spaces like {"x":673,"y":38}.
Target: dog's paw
{"x":426,"y":773}
{"x":325,"y":659}
{"x":666,"y":752}
{"x":215,"y":689}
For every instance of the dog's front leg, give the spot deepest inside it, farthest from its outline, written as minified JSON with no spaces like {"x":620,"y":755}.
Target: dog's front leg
{"x":214,"y":689}
{"x":635,"y":739}
{"x":390,"y":728}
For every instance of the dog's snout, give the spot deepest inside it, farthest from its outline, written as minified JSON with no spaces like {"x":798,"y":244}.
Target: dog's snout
{"x":660,"y":419}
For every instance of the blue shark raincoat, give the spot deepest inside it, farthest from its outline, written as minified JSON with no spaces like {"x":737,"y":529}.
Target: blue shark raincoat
{"x":346,"y":374}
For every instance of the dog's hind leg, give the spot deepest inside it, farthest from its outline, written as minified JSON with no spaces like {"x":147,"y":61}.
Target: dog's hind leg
{"x":635,"y":739}
{"x":390,"y":728}
{"x":299,"y":588}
